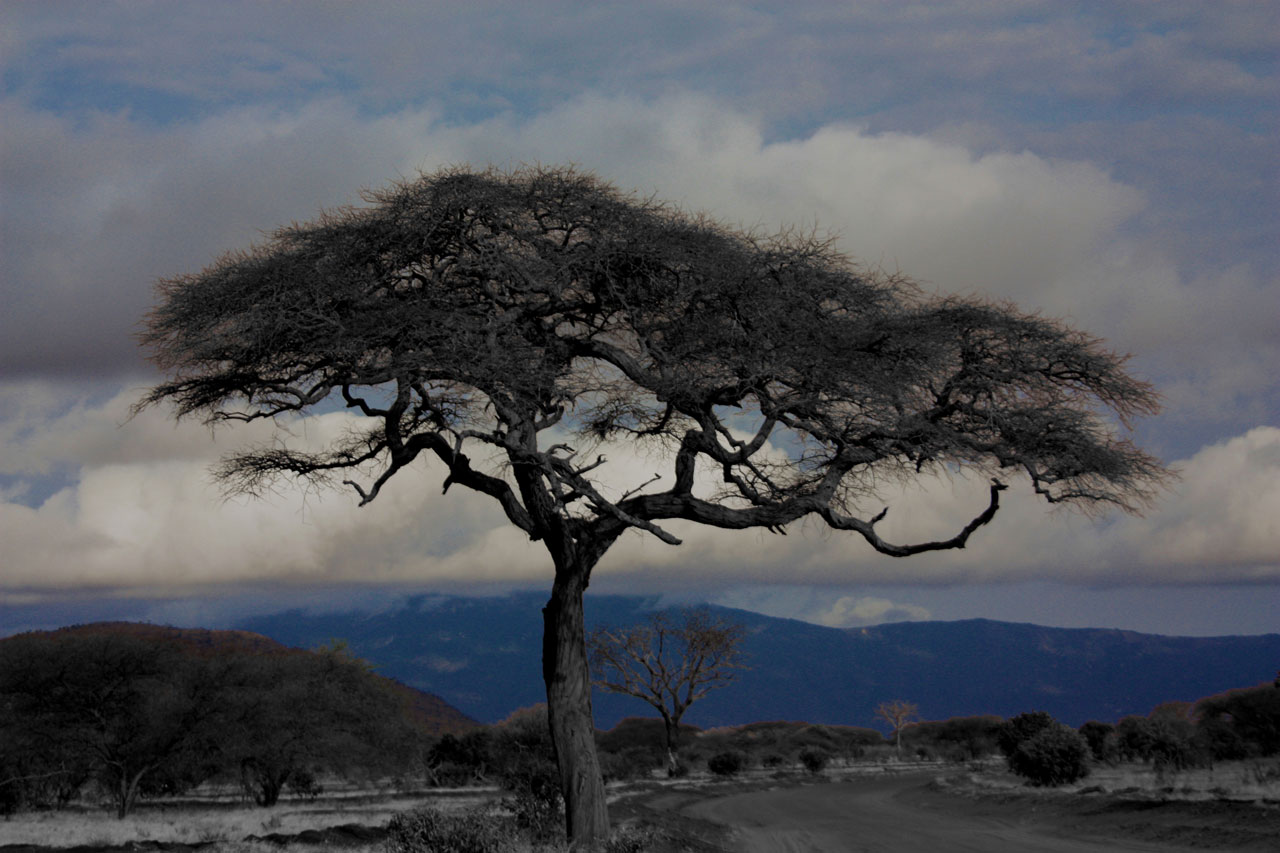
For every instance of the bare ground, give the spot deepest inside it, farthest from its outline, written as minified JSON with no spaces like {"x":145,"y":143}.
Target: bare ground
{"x":912,"y":812}
{"x":921,"y":810}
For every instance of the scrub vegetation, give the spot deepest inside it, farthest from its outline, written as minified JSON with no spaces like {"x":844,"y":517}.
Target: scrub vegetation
{"x":495,"y":787}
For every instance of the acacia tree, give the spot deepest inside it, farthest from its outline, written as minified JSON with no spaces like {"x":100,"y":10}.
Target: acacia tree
{"x":669,"y":662}
{"x":507,"y":323}
{"x":118,"y":707}
{"x":287,"y":715}
{"x":897,"y":714}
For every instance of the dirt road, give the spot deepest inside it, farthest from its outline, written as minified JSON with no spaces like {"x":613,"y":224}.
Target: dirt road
{"x":888,"y":813}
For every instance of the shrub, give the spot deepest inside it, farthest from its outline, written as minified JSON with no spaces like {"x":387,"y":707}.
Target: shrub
{"x":432,"y":831}
{"x":725,"y":763}
{"x":631,"y":839}
{"x":535,"y":801}
{"x":618,"y":768}
{"x":1135,"y":738}
{"x":1221,"y":741}
{"x":304,"y":783}
{"x":1097,"y":734}
{"x":814,"y":759}
{"x":1173,"y":746}
{"x":1017,"y":730}
{"x":1056,"y":755}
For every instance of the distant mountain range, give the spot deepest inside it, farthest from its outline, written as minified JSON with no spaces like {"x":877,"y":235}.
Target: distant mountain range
{"x":481,"y":655}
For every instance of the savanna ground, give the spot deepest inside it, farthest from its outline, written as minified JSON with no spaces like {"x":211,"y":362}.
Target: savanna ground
{"x":1233,"y":806}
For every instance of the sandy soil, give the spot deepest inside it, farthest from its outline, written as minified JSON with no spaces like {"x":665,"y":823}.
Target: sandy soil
{"x":912,"y":813}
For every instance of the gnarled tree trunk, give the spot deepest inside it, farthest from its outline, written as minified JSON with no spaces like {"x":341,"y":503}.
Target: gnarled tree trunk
{"x":672,"y":727}
{"x":568,"y":681}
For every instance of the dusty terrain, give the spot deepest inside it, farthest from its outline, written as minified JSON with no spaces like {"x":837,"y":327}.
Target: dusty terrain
{"x":913,"y":811}
{"x":921,"y":810}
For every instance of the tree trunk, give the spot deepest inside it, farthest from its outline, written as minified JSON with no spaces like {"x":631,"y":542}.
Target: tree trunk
{"x":673,"y":742}
{"x":128,"y":792}
{"x":568,"y":681}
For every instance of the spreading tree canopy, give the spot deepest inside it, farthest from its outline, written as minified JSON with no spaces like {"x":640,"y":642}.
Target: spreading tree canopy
{"x":530,"y":316}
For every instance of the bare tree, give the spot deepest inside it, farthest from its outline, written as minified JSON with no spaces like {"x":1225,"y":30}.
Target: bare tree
{"x":509,"y":323}
{"x":669,"y":661}
{"x":897,"y":714}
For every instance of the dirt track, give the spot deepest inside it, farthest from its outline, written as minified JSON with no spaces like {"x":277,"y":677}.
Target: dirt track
{"x":891,"y":813}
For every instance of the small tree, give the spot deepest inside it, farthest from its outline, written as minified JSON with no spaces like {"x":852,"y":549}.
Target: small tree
{"x":670,"y":661}
{"x":897,"y":714}
{"x":508,"y":323}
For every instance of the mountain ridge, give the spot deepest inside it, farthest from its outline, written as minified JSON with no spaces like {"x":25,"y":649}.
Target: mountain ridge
{"x":482,"y":656}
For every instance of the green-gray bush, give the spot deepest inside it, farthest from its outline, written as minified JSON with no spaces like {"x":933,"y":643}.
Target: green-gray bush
{"x":725,"y":763}
{"x":1056,"y":755}
{"x":814,"y":759}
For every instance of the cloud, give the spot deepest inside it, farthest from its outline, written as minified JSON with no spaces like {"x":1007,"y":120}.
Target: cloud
{"x":850,"y":612}
{"x":97,"y":210}
{"x":129,"y":519}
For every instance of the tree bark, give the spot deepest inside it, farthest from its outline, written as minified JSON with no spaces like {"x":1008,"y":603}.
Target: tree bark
{"x":568,"y":681}
{"x":673,"y":741}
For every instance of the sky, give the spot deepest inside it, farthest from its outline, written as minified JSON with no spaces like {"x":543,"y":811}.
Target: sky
{"x":1113,"y":165}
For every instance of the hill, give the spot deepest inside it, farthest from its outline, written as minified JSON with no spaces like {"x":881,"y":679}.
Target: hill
{"x":431,"y":713}
{"x":482,"y":656}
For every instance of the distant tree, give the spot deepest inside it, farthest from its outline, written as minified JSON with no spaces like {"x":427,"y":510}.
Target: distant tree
{"x":289,"y":715}
{"x":508,"y":323}
{"x":1252,"y":715}
{"x":670,"y":661}
{"x":897,"y":714}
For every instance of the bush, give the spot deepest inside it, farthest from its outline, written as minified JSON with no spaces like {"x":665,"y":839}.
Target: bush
{"x":725,"y":763}
{"x":535,"y":801}
{"x":1055,"y":755}
{"x":432,"y":831}
{"x":814,"y":760}
{"x":1098,"y":736}
{"x":631,"y":839}
{"x":1017,"y":730}
{"x":1135,"y":738}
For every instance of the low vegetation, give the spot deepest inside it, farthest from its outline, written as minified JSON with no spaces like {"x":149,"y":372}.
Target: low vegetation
{"x":88,"y":720}
{"x":126,"y":716}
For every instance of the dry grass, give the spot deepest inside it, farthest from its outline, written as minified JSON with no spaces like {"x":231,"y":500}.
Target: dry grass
{"x":211,"y":818}
{"x":1253,"y":780}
